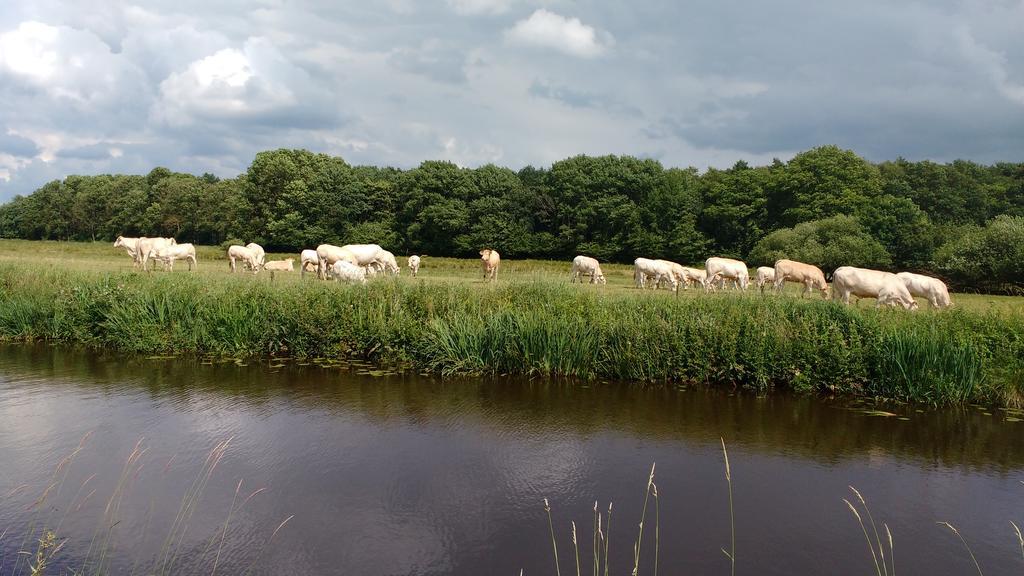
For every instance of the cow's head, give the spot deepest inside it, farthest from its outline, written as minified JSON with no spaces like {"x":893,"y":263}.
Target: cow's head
{"x":119,"y":242}
{"x":485,"y":254}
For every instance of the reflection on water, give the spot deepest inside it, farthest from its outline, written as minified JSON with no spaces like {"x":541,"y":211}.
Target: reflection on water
{"x":406,"y":475}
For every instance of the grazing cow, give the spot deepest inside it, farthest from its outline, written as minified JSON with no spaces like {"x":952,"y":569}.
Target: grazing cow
{"x":678,"y":273}
{"x":726,"y":268}
{"x":490,"y":260}
{"x":146,"y":247}
{"x":364,"y":254}
{"x":345,"y":271}
{"x":931,"y":289}
{"x":386,"y":262}
{"x":131,"y":246}
{"x":765,"y":275}
{"x":236,"y":252}
{"x":810,"y":276}
{"x":414,"y":265}
{"x":587,"y":266}
{"x":171,"y":252}
{"x":886,"y":287}
{"x":308,"y":262}
{"x":328,"y":254}
{"x":257,"y":250}
{"x":657,"y":270}
{"x":693,"y":275}
{"x":286,"y":265}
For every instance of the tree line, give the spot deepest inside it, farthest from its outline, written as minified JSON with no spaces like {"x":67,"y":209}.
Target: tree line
{"x":962,"y":221}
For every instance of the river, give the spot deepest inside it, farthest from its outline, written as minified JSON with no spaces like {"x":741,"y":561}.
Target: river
{"x":405,"y":474}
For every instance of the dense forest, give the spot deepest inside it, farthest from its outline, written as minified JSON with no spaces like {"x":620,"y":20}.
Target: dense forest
{"x":962,"y":221}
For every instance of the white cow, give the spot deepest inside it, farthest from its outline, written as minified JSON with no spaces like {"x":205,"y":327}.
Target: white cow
{"x":130,"y":245}
{"x":386,"y":262}
{"x":414,"y":264}
{"x":146,"y":247}
{"x":490,"y":260}
{"x":257,"y":250}
{"x":765,"y":275}
{"x":286,"y":265}
{"x":931,"y":289}
{"x":587,"y":266}
{"x":658,"y":271}
{"x":308,"y":262}
{"x":168,"y":253}
{"x":328,"y":254}
{"x":726,"y":268}
{"x":694,"y":276}
{"x":236,"y":252}
{"x":809,"y":275}
{"x":343,"y":270}
{"x":864,"y":283}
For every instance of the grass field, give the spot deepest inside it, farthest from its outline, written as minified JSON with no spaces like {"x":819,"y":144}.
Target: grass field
{"x":531,"y":322}
{"x":102,"y":257}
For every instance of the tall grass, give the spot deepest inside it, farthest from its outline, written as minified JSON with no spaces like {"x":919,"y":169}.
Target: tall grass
{"x":535,"y":328}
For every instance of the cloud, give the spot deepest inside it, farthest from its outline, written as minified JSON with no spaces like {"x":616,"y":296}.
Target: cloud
{"x":17,"y":146}
{"x":109,"y":86}
{"x":544,"y":29}
{"x":991,"y":62}
{"x":256,"y":85}
{"x":433,"y":59}
{"x":475,"y":7}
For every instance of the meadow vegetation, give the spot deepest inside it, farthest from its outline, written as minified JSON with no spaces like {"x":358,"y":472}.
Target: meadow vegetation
{"x":531,"y":322}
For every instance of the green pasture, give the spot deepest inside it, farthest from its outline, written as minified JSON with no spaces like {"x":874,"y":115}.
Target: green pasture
{"x":103,"y":257}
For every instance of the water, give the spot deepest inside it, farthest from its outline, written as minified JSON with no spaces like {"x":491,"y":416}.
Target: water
{"x":407,"y":475}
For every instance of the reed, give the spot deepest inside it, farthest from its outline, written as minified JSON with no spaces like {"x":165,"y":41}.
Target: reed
{"x":537,"y":327}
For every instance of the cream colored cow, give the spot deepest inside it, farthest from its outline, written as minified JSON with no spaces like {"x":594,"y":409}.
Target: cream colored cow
{"x":237,"y":252}
{"x":931,"y":289}
{"x":587,"y":266}
{"x":490,"y":259}
{"x":286,"y":265}
{"x":886,"y":287}
{"x":726,"y":269}
{"x":809,"y":275}
{"x":765,"y":275}
{"x":171,"y":252}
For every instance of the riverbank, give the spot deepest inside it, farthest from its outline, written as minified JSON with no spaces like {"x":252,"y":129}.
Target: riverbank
{"x":530,"y":327}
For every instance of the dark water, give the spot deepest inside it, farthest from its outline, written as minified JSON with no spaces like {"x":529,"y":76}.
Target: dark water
{"x":406,"y":475}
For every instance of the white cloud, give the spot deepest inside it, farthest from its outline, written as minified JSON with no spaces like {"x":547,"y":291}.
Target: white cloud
{"x":30,"y":50}
{"x":474,"y":7}
{"x":255,"y":84}
{"x":546,"y":29}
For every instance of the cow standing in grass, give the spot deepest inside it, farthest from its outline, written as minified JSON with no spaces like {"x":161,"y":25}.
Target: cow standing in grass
{"x":171,"y":252}
{"x":809,"y":275}
{"x":726,"y":269}
{"x":490,"y":260}
{"x":587,"y":266}
{"x":414,"y":265}
{"x":931,"y":289}
{"x":131,"y":246}
{"x":243,"y":254}
{"x":886,"y":287}
{"x":308,"y":262}
{"x":765,"y":275}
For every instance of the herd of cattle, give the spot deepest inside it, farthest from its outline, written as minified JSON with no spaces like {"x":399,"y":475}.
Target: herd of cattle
{"x":355,"y":262}
{"x":887,"y":288}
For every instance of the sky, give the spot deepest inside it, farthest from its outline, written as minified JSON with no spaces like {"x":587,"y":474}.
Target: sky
{"x":101,"y":86}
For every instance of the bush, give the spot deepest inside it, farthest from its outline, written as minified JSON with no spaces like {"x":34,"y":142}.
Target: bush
{"x":991,"y":257}
{"x":828,"y":243}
